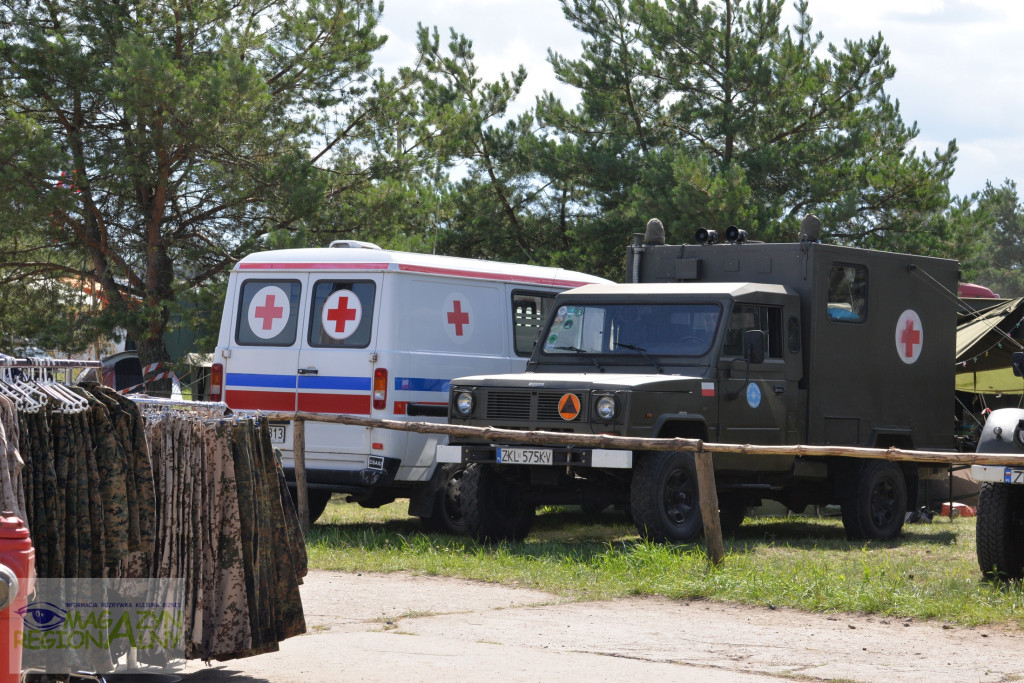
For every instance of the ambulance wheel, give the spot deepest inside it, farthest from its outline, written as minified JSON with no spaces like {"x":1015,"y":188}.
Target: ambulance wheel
{"x":876,"y":500}
{"x":1000,"y":531}
{"x":494,"y":504}
{"x":446,"y":517}
{"x":318,"y":499}
{"x":663,"y":497}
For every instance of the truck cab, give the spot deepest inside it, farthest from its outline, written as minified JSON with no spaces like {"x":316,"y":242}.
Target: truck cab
{"x":747,"y":343}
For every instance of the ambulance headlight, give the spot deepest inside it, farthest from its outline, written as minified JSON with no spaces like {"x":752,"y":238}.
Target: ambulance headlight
{"x":464,"y":403}
{"x":604,"y":406}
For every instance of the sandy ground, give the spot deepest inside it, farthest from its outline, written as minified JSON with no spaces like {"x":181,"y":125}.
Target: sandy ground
{"x":401,"y":627}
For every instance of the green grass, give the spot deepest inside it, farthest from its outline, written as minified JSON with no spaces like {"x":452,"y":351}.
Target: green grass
{"x":930,"y":572}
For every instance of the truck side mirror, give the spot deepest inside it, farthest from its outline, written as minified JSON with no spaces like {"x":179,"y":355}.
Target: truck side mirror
{"x":1017,"y":361}
{"x":753,"y":346}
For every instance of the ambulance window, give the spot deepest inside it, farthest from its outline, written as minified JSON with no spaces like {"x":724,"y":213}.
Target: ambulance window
{"x":268,"y":313}
{"x":341,"y":313}
{"x":847,"y":293}
{"x":529,"y":311}
{"x":745,"y":317}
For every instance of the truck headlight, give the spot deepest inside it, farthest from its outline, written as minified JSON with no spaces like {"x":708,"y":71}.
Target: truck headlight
{"x":464,"y":403}
{"x":605,"y":407}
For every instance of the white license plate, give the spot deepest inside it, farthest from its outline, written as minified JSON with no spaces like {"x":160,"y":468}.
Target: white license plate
{"x":525,"y":456}
{"x":1013,"y":476}
{"x":277,"y":433}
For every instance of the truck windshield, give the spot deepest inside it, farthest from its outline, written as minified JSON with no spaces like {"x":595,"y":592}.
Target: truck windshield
{"x":633,"y":329}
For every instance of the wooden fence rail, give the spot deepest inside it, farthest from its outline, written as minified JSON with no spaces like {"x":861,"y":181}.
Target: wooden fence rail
{"x":702,"y":455}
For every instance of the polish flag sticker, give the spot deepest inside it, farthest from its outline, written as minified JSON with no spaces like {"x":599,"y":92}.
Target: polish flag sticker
{"x":707,"y":388}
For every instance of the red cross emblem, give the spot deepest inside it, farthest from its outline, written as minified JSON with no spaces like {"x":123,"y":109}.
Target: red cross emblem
{"x":341,"y":314}
{"x":268,"y":312}
{"x":909,"y":336}
{"x":458,"y":317}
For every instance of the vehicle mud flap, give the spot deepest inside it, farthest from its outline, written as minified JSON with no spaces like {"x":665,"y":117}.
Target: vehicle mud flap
{"x":874,"y":502}
{"x":445,"y":504}
{"x":1000,"y":530}
{"x":664,"y":499}
{"x":494,"y":502}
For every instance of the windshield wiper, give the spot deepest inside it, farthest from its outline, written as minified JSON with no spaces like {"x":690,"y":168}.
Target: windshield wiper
{"x":581,"y":352}
{"x":643,"y":352}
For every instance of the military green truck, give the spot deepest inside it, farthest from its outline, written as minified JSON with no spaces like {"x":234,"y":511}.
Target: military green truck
{"x":729,"y":341}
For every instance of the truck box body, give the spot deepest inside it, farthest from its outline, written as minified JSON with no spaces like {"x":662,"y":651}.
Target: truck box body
{"x":857,"y":374}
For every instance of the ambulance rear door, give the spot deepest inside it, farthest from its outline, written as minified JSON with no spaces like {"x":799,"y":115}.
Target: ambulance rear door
{"x":335,"y":366}
{"x":259,"y":368}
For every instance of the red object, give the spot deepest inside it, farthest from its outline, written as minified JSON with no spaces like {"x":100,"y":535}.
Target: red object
{"x":380,"y":389}
{"x":18,"y":555}
{"x":959,"y":510}
{"x":216,"y":381}
{"x":967,"y":290}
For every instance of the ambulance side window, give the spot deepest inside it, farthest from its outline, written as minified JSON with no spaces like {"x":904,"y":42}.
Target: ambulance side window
{"x":268,"y":313}
{"x":529,"y":311}
{"x":341,"y":313}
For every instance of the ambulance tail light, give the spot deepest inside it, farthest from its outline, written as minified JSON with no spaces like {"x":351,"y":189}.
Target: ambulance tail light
{"x":380,"y":389}
{"x":217,"y":382}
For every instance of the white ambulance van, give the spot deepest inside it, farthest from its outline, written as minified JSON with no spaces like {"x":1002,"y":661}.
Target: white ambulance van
{"x":358,"y":330}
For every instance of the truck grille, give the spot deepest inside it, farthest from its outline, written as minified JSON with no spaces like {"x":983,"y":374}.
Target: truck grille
{"x":536,"y":406}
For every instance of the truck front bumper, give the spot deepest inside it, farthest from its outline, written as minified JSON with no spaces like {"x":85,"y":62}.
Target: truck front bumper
{"x":545,"y":456}
{"x":998,"y":474}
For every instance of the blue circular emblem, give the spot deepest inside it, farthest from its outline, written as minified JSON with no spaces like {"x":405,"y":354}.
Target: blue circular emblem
{"x":753,"y":395}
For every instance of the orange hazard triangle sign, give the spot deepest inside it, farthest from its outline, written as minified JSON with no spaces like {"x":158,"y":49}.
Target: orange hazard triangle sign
{"x":569,"y":406}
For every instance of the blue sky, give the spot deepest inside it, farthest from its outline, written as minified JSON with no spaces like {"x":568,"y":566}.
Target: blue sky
{"x":960,"y":63}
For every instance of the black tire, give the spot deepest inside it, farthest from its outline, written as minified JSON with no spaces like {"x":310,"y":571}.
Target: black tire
{"x":732,"y":510}
{"x":447,"y":517}
{"x":1000,"y":531}
{"x":875,"y":503}
{"x":663,"y":497}
{"x":494,"y":505}
{"x":318,"y":500}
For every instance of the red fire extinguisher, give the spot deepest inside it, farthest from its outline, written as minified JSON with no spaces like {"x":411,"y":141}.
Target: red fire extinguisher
{"x":17,"y":579}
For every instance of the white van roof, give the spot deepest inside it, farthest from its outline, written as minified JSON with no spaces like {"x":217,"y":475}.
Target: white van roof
{"x":382,"y":260}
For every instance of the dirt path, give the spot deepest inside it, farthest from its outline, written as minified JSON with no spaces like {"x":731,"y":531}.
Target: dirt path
{"x":400,"y":627}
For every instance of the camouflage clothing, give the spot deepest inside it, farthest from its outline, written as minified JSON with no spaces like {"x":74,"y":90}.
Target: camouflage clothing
{"x":235,"y":543}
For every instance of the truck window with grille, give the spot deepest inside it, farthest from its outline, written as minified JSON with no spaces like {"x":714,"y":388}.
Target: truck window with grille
{"x":529,"y":310}
{"x":746,"y":317}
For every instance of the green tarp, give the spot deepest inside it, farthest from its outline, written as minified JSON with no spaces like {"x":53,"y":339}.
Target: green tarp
{"x":985,"y":340}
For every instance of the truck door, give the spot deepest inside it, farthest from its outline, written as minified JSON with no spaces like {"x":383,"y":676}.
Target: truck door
{"x":264,"y":344}
{"x":761,"y":409}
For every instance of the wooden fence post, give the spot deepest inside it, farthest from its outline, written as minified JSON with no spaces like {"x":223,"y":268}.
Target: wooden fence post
{"x":299,"y":457}
{"x":709,"y":506}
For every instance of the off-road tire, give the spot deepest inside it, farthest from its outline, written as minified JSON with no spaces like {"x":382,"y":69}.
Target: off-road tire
{"x":663,"y":497}
{"x":1000,"y":530}
{"x":875,"y":502}
{"x":446,"y":517}
{"x":318,"y":500}
{"x":494,"y":505}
